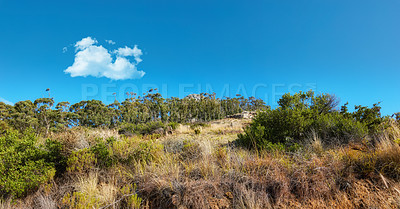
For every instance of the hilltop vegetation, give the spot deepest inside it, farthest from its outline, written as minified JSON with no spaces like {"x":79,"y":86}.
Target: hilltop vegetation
{"x":43,"y":116}
{"x":151,"y":152}
{"x":306,"y":113}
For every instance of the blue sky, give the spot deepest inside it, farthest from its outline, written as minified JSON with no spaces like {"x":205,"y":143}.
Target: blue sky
{"x":255,"y":48}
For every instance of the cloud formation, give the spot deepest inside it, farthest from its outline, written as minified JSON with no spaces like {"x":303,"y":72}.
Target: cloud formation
{"x":110,"y":42}
{"x":95,"y":60}
{"x":6,"y":101}
{"x":126,"y":52}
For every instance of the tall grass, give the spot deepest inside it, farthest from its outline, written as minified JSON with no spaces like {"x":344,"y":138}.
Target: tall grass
{"x":208,"y":170}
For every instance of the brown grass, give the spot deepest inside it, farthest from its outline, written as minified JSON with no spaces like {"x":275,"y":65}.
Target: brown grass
{"x":209,"y":171}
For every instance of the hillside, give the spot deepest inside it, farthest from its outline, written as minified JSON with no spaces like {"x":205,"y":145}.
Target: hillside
{"x":154,"y":153}
{"x":201,"y":167}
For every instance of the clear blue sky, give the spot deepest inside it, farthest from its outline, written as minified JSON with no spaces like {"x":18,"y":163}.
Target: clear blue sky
{"x":348,"y":48}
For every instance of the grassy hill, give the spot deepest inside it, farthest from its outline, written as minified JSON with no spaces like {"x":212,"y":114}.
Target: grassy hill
{"x":179,"y":153}
{"x":201,"y":166}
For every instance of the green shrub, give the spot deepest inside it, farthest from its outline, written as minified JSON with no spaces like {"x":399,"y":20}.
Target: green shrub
{"x":128,"y":150}
{"x":3,"y":126}
{"x":302,"y":113}
{"x":147,"y":151}
{"x":81,"y":161}
{"x":103,"y":152}
{"x":23,"y":165}
{"x":197,"y":125}
{"x":132,"y":199}
{"x":370,"y":117}
{"x":173,"y":125}
{"x":337,"y":128}
{"x":141,"y":128}
{"x":397,"y":117}
{"x":54,"y":155}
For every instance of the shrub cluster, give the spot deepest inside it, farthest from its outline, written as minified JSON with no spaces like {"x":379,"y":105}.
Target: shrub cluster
{"x":302,"y":113}
{"x":24,"y":165}
{"x":142,"y":128}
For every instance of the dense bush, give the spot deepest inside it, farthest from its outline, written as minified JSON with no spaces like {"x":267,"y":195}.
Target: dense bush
{"x":337,"y":128}
{"x":134,"y":149}
{"x":142,"y":128}
{"x":81,"y":161}
{"x":24,"y":165}
{"x":302,"y":113}
{"x":103,"y":152}
{"x":173,"y":125}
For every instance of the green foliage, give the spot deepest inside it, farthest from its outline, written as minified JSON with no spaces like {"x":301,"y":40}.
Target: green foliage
{"x":129,"y":150}
{"x":81,"y":161}
{"x":147,"y":151}
{"x":82,"y":200}
{"x":337,"y":128}
{"x":302,"y":113}
{"x":142,"y":128}
{"x":103,"y":152}
{"x":42,"y":116}
{"x":22,"y":116}
{"x":24,"y":165}
{"x":3,"y":126}
{"x":54,"y":154}
{"x":5,"y":116}
{"x":370,"y":117}
{"x":91,"y":113}
{"x":173,"y":125}
{"x":132,"y":199}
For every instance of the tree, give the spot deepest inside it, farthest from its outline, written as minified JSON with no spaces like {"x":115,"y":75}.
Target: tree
{"x":45,"y":115}
{"x":23,"y":116}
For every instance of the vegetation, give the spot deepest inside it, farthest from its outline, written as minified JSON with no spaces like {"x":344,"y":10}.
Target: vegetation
{"x":24,"y":166}
{"x":307,"y":153}
{"x":41,"y":115}
{"x":304,"y":113}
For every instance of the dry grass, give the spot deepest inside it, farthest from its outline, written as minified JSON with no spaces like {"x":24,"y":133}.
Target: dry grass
{"x":208,"y":171}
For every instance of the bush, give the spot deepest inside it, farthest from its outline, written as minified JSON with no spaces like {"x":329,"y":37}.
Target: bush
{"x":24,"y":166}
{"x":54,"y":154}
{"x":103,"y":152}
{"x":131,"y":200}
{"x":128,"y":150}
{"x":336,"y":128}
{"x":302,"y":113}
{"x":173,"y":125}
{"x":141,"y":128}
{"x":81,"y":161}
{"x":198,"y":125}
{"x":3,"y":126}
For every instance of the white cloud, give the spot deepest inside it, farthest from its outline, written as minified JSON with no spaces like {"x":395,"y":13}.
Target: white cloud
{"x":97,"y":61}
{"x":65,"y":49}
{"x":110,"y":42}
{"x":126,"y":52}
{"x":85,"y":43}
{"x":6,"y":101}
